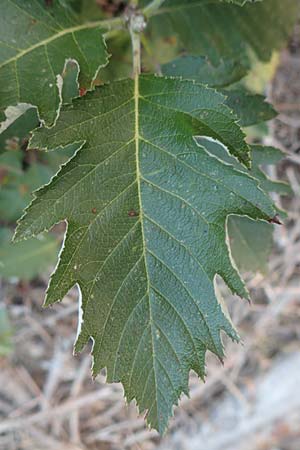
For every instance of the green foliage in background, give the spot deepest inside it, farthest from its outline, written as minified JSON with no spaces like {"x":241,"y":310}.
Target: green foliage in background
{"x":154,"y":176}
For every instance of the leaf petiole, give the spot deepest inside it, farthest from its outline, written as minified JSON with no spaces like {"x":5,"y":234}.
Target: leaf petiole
{"x":136,"y":51}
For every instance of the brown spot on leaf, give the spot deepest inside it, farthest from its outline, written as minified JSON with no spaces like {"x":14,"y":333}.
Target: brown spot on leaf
{"x":132,"y":213}
{"x":82,"y":91}
{"x":94,"y":210}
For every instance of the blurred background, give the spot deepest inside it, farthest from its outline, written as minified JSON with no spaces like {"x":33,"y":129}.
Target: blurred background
{"x":48,"y":399}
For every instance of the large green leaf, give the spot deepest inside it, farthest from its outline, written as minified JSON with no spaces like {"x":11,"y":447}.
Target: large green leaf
{"x":146,"y":209}
{"x":35,"y":43}
{"x":220,"y":30}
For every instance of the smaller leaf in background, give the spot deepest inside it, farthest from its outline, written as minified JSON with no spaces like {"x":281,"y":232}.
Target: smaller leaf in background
{"x":10,"y":171}
{"x":265,"y":156}
{"x":10,"y":162}
{"x":6,"y":332}
{"x":16,"y":184}
{"x":16,"y":188}
{"x":200,"y":69}
{"x":33,"y":35}
{"x":251,"y":109}
{"x":218,"y":29}
{"x":20,"y":120}
{"x":26,"y":259}
{"x":251,"y":242}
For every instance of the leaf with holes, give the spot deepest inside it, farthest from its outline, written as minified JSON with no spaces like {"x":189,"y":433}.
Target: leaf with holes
{"x":146,"y":209}
{"x":36,"y":41}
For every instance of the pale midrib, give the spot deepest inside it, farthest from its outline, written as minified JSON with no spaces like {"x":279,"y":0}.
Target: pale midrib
{"x":139,"y":177}
{"x":104,"y":24}
{"x":138,"y":171}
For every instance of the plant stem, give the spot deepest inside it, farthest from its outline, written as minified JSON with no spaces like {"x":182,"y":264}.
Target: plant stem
{"x":136,"y":52}
{"x":151,"y":9}
{"x":137,"y":23}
